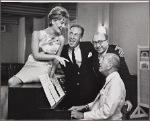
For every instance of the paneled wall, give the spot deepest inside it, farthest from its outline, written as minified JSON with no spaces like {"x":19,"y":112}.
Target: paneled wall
{"x":10,"y":16}
{"x":23,"y":9}
{"x":9,"y":44}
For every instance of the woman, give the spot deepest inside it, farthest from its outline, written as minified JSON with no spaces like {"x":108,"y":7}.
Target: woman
{"x":46,"y":46}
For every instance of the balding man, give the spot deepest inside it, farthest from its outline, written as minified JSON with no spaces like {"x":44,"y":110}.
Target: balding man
{"x":108,"y":103}
{"x":101,"y":44}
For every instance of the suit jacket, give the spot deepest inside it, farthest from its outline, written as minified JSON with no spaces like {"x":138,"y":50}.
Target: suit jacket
{"x":81,"y":82}
{"x":123,"y":70}
{"x":109,"y":101}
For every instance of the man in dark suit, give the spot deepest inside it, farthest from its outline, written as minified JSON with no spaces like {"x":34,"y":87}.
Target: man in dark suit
{"x":101,"y":45}
{"x":81,"y":81}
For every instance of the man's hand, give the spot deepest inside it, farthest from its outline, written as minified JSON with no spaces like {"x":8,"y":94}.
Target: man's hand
{"x":78,"y":108}
{"x":77,"y":115}
{"x":121,"y":53}
{"x":128,"y":103}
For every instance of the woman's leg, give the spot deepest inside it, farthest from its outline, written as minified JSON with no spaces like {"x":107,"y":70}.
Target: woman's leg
{"x":14,"y":81}
{"x":11,"y":82}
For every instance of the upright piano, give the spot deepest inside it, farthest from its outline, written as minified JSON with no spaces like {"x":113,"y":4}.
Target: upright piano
{"x":28,"y":101}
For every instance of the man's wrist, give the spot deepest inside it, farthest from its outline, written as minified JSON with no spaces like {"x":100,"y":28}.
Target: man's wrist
{"x":86,"y":107}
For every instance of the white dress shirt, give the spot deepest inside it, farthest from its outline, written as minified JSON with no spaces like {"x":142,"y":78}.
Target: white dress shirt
{"x":109,"y":102}
{"x":78,"y":56}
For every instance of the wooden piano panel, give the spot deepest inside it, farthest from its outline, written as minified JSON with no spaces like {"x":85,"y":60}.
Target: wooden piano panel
{"x":28,"y":101}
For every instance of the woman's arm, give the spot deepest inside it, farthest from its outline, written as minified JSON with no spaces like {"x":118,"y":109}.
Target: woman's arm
{"x":42,"y":56}
{"x":35,"y":48}
{"x":55,"y":63}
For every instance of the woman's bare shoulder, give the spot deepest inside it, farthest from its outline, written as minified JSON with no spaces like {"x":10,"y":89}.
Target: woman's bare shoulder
{"x":37,"y":34}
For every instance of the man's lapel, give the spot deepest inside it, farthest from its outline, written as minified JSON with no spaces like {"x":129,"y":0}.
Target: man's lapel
{"x":66,"y":52}
{"x":83,"y":53}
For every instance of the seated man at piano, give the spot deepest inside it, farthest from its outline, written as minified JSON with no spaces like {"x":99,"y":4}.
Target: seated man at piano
{"x":110,"y":99}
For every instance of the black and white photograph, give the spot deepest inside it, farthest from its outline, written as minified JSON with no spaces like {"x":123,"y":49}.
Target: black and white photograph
{"x":74,"y":60}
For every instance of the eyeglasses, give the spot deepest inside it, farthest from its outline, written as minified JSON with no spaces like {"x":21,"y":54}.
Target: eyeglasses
{"x":98,"y":42}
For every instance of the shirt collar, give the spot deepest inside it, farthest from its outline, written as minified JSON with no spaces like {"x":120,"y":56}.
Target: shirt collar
{"x":105,"y":51}
{"x":75,"y":49}
{"x":111,"y":76}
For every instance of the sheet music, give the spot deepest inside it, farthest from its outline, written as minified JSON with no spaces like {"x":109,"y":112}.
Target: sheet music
{"x":59,"y":89}
{"x":47,"y":91}
{"x":52,"y":89}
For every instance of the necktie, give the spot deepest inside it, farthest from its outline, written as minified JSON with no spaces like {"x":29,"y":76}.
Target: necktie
{"x":73,"y":57}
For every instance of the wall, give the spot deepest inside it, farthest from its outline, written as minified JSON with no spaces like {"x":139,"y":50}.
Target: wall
{"x":9,"y":46}
{"x":38,"y":24}
{"x":35,"y":24}
{"x":88,"y":15}
{"x":126,"y":24}
{"x":130,"y":28}
{"x":21,"y":40}
{"x":29,"y":30}
{"x":91,"y":16}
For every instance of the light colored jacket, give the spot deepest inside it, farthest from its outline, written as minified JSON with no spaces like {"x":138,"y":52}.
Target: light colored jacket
{"x":108,"y":103}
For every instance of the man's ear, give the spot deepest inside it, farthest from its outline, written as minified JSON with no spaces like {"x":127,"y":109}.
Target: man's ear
{"x":53,"y":22}
{"x":110,"y":65}
{"x":80,"y":39}
{"x":107,"y":42}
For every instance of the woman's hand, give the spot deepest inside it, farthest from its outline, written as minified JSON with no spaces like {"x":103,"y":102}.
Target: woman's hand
{"x":62,"y":60}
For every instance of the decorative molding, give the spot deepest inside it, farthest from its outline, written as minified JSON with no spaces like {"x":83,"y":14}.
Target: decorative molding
{"x":35,"y":9}
{"x":23,"y":10}
{"x":11,"y":20}
{"x":11,"y":12}
{"x":3,"y":28}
